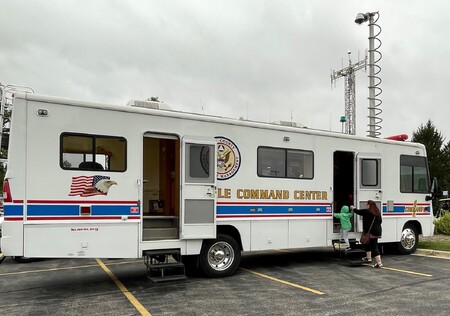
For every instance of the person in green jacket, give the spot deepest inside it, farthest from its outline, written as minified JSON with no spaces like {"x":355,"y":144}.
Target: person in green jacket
{"x":344,"y":216}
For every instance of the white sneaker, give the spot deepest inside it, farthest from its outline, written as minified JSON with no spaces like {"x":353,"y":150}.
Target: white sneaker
{"x":378,"y":265}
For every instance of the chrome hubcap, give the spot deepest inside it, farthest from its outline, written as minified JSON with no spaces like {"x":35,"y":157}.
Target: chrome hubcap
{"x":220,"y":256}
{"x":408,"y":240}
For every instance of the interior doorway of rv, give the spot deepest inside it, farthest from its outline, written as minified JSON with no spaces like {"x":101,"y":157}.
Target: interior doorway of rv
{"x":343,"y":184}
{"x":161,"y":180}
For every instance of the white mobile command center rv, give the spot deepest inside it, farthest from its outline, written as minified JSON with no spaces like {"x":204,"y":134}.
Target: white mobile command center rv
{"x":89,"y":180}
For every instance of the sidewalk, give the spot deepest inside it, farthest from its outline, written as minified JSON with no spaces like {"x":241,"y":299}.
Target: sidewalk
{"x":433,"y":253}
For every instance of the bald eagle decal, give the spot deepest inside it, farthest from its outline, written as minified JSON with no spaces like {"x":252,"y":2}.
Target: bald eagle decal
{"x":90,"y":185}
{"x":228,"y":158}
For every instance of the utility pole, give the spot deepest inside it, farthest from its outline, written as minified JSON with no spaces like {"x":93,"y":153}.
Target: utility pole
{"x":350,"y":91}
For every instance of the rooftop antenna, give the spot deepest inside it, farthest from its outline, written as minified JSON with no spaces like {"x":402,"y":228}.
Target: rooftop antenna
{"x":349,"y":89}
{"x":201,"y":103}
{"x":374,"y":69}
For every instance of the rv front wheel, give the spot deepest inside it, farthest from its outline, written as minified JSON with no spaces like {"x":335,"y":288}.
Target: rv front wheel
{"x":220,"y":257}
{"x":409,"y":240}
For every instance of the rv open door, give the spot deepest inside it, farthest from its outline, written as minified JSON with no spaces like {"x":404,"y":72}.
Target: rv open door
{"x":368,"y":182}
{"x":198,"y":191}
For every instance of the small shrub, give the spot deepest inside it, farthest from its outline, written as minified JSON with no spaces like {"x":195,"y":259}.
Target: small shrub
{"x":442,"y":225}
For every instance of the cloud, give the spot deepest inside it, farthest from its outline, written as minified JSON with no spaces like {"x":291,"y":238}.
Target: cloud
{"x":263,"y":60}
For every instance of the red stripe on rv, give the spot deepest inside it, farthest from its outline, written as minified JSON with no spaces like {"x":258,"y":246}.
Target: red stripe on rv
{"x":405,"y":214}
{"x":9,"y":218}
{"x":273,"y":203}
{"x":78,"y":218}
{"x":79,"y":202}
{"x":407,"y":204}
{"x":280,"y":215}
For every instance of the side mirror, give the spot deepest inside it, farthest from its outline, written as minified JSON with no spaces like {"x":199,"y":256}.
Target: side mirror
{"x":434,"y":186}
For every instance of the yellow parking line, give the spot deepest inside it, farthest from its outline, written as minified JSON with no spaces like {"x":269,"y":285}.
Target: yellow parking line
{"x":141,"y":309}
{"x":65,"y":268}
{"x":407,"y":271}
{"x":284,"y":282}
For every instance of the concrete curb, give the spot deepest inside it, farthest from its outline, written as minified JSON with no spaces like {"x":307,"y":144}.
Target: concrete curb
{"x":433,"y":253}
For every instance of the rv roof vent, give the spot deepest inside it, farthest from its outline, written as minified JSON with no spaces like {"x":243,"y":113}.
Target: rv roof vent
{"x":149,"y":104}
{"x":286,"y":123}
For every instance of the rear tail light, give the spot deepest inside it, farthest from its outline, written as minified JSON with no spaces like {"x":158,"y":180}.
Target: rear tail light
{"x":6,"y":192}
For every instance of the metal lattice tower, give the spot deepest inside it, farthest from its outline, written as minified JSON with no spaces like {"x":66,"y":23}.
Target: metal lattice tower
{"x":349,"y":88}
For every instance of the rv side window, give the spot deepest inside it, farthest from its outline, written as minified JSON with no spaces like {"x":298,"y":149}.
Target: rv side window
{"x":299,"y":164}
{"x":199,"y":163}
{"x":92,"y":152}
{"x":413,"y":174}
{"x":370,"y":173}
{"x":285,"y":163}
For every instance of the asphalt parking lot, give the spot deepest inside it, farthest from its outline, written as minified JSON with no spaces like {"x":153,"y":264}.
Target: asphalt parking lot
{"x":304,"y":282}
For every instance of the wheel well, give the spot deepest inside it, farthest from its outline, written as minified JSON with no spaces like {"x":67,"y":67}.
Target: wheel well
{"x":416,"y":225}
{"x":230,"y":231}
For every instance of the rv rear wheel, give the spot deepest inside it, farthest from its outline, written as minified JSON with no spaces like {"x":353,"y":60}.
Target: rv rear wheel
{"x":220,"y":257}
{"x":408,"y":240}
{"x":23,"y":259}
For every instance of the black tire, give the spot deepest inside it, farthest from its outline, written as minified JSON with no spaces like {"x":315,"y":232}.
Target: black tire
{"x":23,"y":259}
{"x":408,"y":240}
{"x":220,"y":257}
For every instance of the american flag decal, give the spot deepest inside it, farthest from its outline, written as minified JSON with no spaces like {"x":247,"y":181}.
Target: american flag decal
{"x":88,"y":186}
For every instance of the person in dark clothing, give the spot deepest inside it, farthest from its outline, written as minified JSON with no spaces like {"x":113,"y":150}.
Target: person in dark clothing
{"x":371,"y":214}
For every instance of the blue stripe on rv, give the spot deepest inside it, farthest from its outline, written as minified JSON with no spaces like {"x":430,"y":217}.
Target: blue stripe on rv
{"x":272,"y":209}
{"x":402,"y":209}
{"x":13,"y":210}
{"x":49,"y":210}
{"x":74,"y":210}
{"x":67,"y":210}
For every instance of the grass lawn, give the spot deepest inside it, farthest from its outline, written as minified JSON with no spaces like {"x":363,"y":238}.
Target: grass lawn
{"x":443,"y":245}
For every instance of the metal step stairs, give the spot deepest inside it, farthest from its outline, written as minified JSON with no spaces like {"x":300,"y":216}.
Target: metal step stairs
{"x":348,"y":256}
{"x":164,"y":265}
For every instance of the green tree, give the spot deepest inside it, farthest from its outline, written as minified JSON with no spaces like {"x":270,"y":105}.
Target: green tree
{"x":438,"y":153}
{"x":445,"y":185}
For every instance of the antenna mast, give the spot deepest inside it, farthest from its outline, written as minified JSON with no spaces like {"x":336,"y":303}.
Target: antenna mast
{"x":349,"y":88}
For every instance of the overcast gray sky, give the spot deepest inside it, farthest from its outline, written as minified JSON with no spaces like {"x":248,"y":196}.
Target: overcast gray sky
{"x":261,"y":60}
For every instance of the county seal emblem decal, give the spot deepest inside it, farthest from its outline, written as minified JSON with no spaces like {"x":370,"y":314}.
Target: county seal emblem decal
{"x":228,"y":158}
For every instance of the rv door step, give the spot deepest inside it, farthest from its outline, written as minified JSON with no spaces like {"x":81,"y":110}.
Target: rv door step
{"x":164,"y":265}
{"x":167,"y":265}
{"x":168,"y":278}
{"x":341,"y":247}
{"x":158,"y":252}
{"x":159,"y":233}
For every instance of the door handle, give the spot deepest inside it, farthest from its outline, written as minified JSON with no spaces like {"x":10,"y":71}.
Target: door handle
{"x":210,"y":191}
